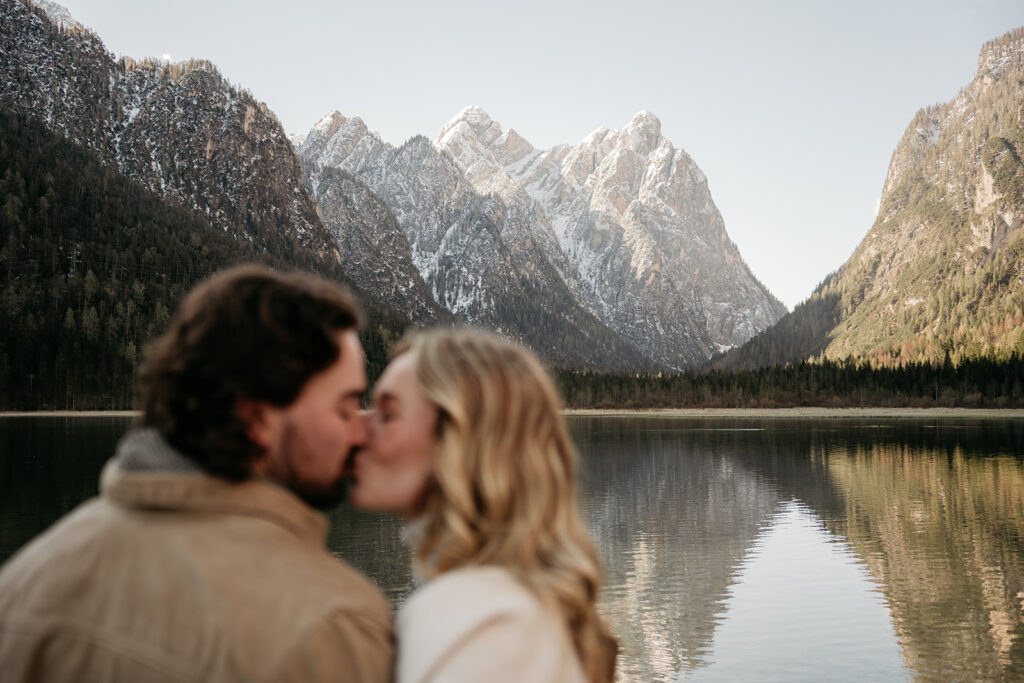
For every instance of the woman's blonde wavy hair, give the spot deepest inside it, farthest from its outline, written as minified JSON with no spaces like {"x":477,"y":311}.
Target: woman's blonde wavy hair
{"x":505,"y":480}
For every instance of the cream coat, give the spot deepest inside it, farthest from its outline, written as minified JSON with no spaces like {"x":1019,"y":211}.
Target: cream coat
{"x":481,"y":624}
{"x":186,"y":577}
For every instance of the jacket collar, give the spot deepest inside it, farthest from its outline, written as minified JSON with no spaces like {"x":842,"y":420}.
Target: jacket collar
{"x":167,"y":482}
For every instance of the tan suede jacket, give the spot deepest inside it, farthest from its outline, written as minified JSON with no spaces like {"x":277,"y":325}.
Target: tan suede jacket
{"x":187,"y":577}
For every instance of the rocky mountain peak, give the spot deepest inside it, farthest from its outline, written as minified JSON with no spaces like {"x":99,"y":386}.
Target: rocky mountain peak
{"x":996,"y":55}
{"x":473,"y":121}
{"x":935,"y":127}
{"x":635,"y":222}
{"x":335,"y":123}
{"x":482,"y":149}
{"x":345,"y":141}
{"x":59,"y":15}
{"x":330,"y":123}
{"x":938,"y":276}
{"x":644,"y":131}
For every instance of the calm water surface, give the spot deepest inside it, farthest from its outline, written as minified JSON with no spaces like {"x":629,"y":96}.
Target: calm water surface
{"x":735,"y":549}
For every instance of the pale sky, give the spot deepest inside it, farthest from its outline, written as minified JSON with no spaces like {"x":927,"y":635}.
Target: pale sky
{"x":792,"y":109}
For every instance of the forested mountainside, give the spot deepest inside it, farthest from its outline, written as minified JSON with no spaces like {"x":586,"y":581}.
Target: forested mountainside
{"x":180,"y":129}
{"x":191,"y":137}
{"x":941,"y":272}
{"x":616,"y":239}
{"x":92,"y":265}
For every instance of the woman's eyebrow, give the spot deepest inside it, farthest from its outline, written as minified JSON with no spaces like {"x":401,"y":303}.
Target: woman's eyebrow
{"x":384,"y":398}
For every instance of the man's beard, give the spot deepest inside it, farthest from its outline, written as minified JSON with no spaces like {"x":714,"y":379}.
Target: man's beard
{"x":317,"y":495}
{"x":320,"y":497}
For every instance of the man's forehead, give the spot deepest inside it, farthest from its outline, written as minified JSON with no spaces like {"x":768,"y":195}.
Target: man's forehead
{"x":347,"y":377}
{"x":349,"y":342}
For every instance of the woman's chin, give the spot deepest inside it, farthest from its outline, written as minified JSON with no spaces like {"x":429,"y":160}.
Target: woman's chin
{"x":362,"y":498}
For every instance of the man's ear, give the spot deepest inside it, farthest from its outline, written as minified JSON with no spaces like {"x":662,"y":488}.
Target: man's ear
{"x":258,"y":420}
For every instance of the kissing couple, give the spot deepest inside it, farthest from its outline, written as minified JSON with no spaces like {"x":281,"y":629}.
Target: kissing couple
{"x":203,"y":558}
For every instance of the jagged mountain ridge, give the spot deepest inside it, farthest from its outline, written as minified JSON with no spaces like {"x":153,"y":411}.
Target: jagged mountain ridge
{"x":476,"y":255}
{"x":637,"y":225}
{"x":941,"y":272}
{"x":643,"y":251}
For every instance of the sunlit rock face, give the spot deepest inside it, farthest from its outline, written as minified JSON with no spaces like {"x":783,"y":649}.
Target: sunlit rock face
{"x":643,"y":243}
{"x":939,"y":274}
{"x":620,"y":227}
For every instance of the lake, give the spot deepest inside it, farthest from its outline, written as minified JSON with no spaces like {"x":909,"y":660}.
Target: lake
{"x":755,"y":549}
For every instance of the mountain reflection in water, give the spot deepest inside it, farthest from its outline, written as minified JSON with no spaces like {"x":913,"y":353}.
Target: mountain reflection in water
{"x":931,"y":514}
{"x":755,"y":549}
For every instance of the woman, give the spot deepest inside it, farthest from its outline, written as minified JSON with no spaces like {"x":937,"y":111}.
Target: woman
{"x":467,"y":443}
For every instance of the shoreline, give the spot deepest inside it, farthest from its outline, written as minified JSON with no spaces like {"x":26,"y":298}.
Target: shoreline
{"x":804,"y":412}
{"x":782,"y":413}
{"x":69,"y":413}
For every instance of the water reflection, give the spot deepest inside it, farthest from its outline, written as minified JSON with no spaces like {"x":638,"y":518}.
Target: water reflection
{"x":942,"y":531}
{"x":673,"y":524}
{"x":932,"y":510}
{"x":803,"y":607}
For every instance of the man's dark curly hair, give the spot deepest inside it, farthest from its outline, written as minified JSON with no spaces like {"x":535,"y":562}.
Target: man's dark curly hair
{"x":246,"y":333}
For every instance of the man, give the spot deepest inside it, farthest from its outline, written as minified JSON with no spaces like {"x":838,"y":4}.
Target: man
{"x":202,"y":558}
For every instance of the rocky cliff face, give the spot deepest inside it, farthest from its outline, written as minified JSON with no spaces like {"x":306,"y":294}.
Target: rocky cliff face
{"x":643,"y":241}
{"x":940,"y":271}
{"x":620,"y":229}
{"x":944,"y":253}
{"x":181,"y":129}
{"x":374,"y":250}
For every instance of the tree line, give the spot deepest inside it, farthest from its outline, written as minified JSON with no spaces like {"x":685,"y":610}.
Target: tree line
{"x":973,"y":383}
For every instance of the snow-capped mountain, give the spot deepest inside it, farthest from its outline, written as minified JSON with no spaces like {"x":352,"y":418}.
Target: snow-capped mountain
{"x":622,"y":224}
{"x":374,"y":251}
{"x":477,"y":255}
{"x":636,"y":221}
